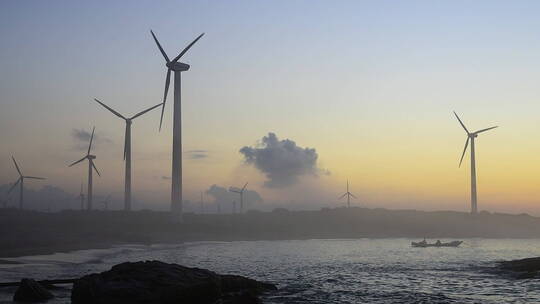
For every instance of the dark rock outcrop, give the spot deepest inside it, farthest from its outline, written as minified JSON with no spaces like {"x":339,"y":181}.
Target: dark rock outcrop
{"x":31,"y":291}
{"x":158,"y":282}
{"x":524,"y":268}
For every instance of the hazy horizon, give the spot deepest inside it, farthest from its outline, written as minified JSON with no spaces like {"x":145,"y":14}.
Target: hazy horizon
{"x":365,"y":90}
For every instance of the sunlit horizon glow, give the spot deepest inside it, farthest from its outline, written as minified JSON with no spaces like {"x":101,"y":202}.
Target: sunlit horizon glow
{"x":370,"y":85}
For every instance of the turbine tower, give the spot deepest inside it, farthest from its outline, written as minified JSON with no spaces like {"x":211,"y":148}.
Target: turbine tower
{"x":177,"y":68}
{"x":241,"y":192}
{"x":20,"y":181}
{"x":202,"y":203}
{"x":106,"y":202}
{"x":348,"y":194}
{"x":81,"y":197}
{"x":91,"y":166}
{"x":471,"y":137}
{"x":127,"y":150}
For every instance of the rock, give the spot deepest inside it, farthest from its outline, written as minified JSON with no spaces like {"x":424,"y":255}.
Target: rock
{"x":31,"y":291}
{"x":158,"y":282}
{"x":528,"y":265}
{"x":525,"y":268}
{"x":240,"y":298}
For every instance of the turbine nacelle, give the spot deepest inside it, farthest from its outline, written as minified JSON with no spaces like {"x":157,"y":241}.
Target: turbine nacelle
{"x":91,"y":156}
{"x":470,"y":136}
{"x":177,"y":66}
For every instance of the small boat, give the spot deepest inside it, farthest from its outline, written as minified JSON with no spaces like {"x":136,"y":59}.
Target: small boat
{"x":424,"y":244}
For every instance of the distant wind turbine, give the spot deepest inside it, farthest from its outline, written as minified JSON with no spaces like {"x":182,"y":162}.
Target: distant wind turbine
{"x":202,"y":203}
{"x":471,"y":137}
{"x":81,"y":197}
{"x":127,"y":150}
{"x":20,"y":181}
{"x":348,"y":194}
{"x":91,"y":166}
{"x":177,"y":68}
{"x":106,"y":202}
{"x":241,"y":192}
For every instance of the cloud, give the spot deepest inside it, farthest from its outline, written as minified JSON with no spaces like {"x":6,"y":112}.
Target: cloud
{"x":196,"y":154}
{"x":82,"y":138}
{"x":282,"y":161}
{"x":224,"y":197}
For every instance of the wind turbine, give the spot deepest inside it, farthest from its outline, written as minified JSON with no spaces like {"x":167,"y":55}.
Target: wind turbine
{"x":91,"y":166}
{"x":127,"y":150}
{"x":81,"y":196}
{"x":106,"y":202}
{"x":20,"y":181}
{"x":202,"y":203}
{"x":241,"y":192}
{"x":471,"y":137}
{"x":348,"y":194}
{"x":177,"y":68}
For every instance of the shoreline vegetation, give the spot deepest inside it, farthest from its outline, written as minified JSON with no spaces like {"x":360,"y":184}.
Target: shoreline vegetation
{"x":28,"y":233}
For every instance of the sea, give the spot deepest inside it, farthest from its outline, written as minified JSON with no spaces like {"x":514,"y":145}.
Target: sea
{"x":320,"y":271}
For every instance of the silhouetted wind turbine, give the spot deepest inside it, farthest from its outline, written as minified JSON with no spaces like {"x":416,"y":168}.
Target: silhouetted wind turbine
{"x":91,"y":166}
{"x":127,"y":150}
{"x":471,"y":137}
{"x":81,"y":196}
{"x":202,"y":203}
{"x":106,"y":202}
{"x":348,"y":194}
{"x":177,"y":68}
{"x":20,"y":181}
{"x":241,"y":192}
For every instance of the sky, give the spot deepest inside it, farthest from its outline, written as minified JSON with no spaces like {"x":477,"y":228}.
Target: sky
{"x":363,"y":89}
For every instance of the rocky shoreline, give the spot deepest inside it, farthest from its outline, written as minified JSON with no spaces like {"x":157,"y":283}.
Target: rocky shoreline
{"x":152,"y":282}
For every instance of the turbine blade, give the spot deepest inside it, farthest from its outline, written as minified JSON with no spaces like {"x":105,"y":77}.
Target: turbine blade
{"x":244,"y":187}
{"x":461,"y":122}
{"x":93,"y":165}
{"x":80,"y":160}
{"x":147,"y":110}
{"x":110,"y":109}
{"x":352,"y":195}
{"x":125,"y":141}
{"x":167,"y":82}
{"x":342,"y":196}
{"x":484,"y":130}
{"x":16,"y":166}
{"x":14,"y":184}
{"x":34,"y":177}
{"x":187,"y":48}
{"x":464,"y":150}
{"x":160,"y":48}
{"x":91,"y":139}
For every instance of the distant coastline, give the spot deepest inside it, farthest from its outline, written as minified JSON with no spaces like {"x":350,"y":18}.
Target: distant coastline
{"x":36,"y":233}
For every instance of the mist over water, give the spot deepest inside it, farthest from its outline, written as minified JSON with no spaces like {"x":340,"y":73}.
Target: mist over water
{"x":323,"y":271}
